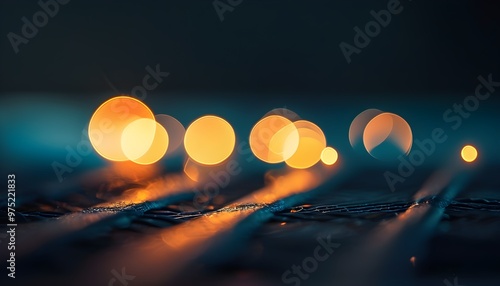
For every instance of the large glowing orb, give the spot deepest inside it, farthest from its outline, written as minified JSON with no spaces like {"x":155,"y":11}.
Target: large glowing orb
{"x":209,"y":140}
{"x":110,"y":119}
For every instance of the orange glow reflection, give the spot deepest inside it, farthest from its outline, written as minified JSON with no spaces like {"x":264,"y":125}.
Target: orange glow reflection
{"x":192,"y":232}
{"x":193,"y":237}
{"x":129,"y":171}
{"x":152,"y":190}
{"x":179,"y":245}
{"x":282,"y":185}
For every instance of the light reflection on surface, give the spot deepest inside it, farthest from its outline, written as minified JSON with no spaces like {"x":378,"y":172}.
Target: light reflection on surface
{"x":49,"y":230}
{"x":283,"y":185}
{"x":128,"y":171}
{"x":155,"y":189}
{"x":178,"y":245}
{"x":141,"y":183}
{"x":390,"y":244}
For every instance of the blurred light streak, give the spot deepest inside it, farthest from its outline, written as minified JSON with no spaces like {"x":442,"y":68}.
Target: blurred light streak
{"x":152,"y":190}
{"x":155,"y":193}
{"x":286,"y":184}
{"x":179,"y":245}
{"x":382,"y":256}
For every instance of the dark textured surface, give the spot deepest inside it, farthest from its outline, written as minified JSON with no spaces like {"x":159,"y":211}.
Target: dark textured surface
{"x":258,"y":248}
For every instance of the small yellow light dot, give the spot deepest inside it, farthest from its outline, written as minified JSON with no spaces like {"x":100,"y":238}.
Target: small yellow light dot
{"x":469,"y":153}
{"x":329,"y":156}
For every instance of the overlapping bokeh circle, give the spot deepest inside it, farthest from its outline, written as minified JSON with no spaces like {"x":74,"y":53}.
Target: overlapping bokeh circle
{"x":125,"y":129}
{"x":384,"y":135}
{"x":282,"y":136}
